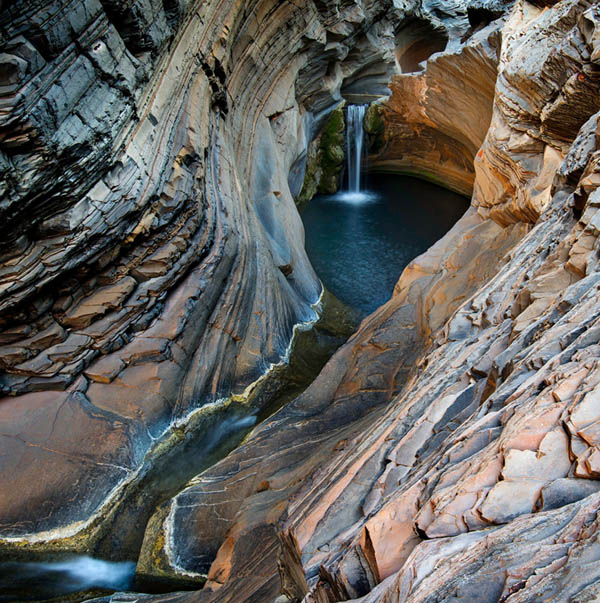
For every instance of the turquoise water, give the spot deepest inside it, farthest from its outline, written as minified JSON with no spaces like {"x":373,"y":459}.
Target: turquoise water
{"x":359,"y":243}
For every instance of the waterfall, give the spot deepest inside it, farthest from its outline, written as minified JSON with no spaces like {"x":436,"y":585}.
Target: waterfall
{"x":354,"y":144}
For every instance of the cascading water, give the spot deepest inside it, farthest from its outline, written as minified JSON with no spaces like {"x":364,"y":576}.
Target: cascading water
{"x":361,"y":238}
{"x":354,"y":145}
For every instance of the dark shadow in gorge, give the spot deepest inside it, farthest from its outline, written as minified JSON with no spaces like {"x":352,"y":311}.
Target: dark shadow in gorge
{"x":416,"y":41}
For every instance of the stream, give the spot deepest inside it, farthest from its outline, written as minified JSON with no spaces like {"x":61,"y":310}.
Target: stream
{"x":358,"y":241}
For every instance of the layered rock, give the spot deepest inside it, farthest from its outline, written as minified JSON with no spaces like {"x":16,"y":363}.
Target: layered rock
{"x":462,"y":416}
{"x":239,"y":502}
{"x":152,"y":260}
{"x":543,"y":99}
{"x":436,"y":118}
{"x":483,"y":433}
{"x":449,"y":449}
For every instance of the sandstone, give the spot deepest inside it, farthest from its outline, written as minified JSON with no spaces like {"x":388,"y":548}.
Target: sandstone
{"x":419,"y":135}
{"x":146,"y":212}
{"x":71,"y":447}
{"x":529,"y":435}
{"x":105,"y":369}
{"x":532,"y":557}
{"x":101,"y":302}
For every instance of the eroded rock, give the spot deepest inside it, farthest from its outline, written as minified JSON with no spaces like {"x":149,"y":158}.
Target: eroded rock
{"x":451,"y":448}
{"x":473,"y":476}
{"x":152,"y":256}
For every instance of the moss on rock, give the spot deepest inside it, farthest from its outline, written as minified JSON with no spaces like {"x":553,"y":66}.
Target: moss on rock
{"x":312,"y":175}
{"x":332,"y":152}
{"x":325,"y":157}
{"x":374,"y":126}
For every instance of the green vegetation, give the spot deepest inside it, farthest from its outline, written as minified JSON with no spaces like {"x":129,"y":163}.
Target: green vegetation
{"x":325,"y":159}
{"x":374,"y":127}
{"x":332,"y":151}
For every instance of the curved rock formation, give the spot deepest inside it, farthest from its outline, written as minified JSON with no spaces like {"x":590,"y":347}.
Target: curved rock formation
{"x":436,"y":118}
{"x":163,"y":270}
{"x":542,"y":100}
{"x":152,"y":258}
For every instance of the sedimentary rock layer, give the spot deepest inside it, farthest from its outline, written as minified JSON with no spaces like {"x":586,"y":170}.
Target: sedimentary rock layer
{"x":154,"y":263}
{"x":436,"y":118}
{"x":542,"y":100}
{"x":463,"y":415}
{"x":152,"y":257}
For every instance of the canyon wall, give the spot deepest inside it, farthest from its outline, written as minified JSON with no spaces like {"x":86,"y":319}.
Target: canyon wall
{"x":416,"y":130}
{"x":153,"y":264}
{"x":446,"y":71}
{"x":447,"y":451}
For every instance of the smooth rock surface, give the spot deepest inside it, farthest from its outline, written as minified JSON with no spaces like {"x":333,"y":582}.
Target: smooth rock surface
{"x":436,"y":118}
{"x":451,"y":449}
{"x":152,"y":258}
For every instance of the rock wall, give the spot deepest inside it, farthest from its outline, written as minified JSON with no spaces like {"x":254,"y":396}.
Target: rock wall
{"x":152,"y":258}
{"x":448,"y":450}
{"x":153,"y":264}
{"x":436,"y":118}
{"x":542,"y":100}
{"x":478,"y":481}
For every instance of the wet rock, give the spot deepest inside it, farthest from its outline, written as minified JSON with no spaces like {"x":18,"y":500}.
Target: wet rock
{"x":325,"y":157}
{"x":462,"y":410}
{"x":451,"y":449}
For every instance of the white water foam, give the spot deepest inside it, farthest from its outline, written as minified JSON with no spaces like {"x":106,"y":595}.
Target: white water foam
{"x":356,"y":197}
{"x":87,"y":572}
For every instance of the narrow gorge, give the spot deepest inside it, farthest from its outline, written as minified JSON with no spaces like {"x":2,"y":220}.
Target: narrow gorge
{"x":187,"y":413}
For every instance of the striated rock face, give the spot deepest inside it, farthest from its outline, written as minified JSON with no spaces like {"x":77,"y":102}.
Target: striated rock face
{"x":449,"y":450}
{"x":152,"y":258}
{"x":436,"y":118}
{"x":533,"y":558}
{"x":542,"y":101}
{"x":242,"y":500}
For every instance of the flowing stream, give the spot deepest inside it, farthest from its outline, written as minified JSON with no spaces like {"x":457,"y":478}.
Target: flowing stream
{"x":35,"y":581}
{"x":359,"y":241}
{"x":199,"y":444}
